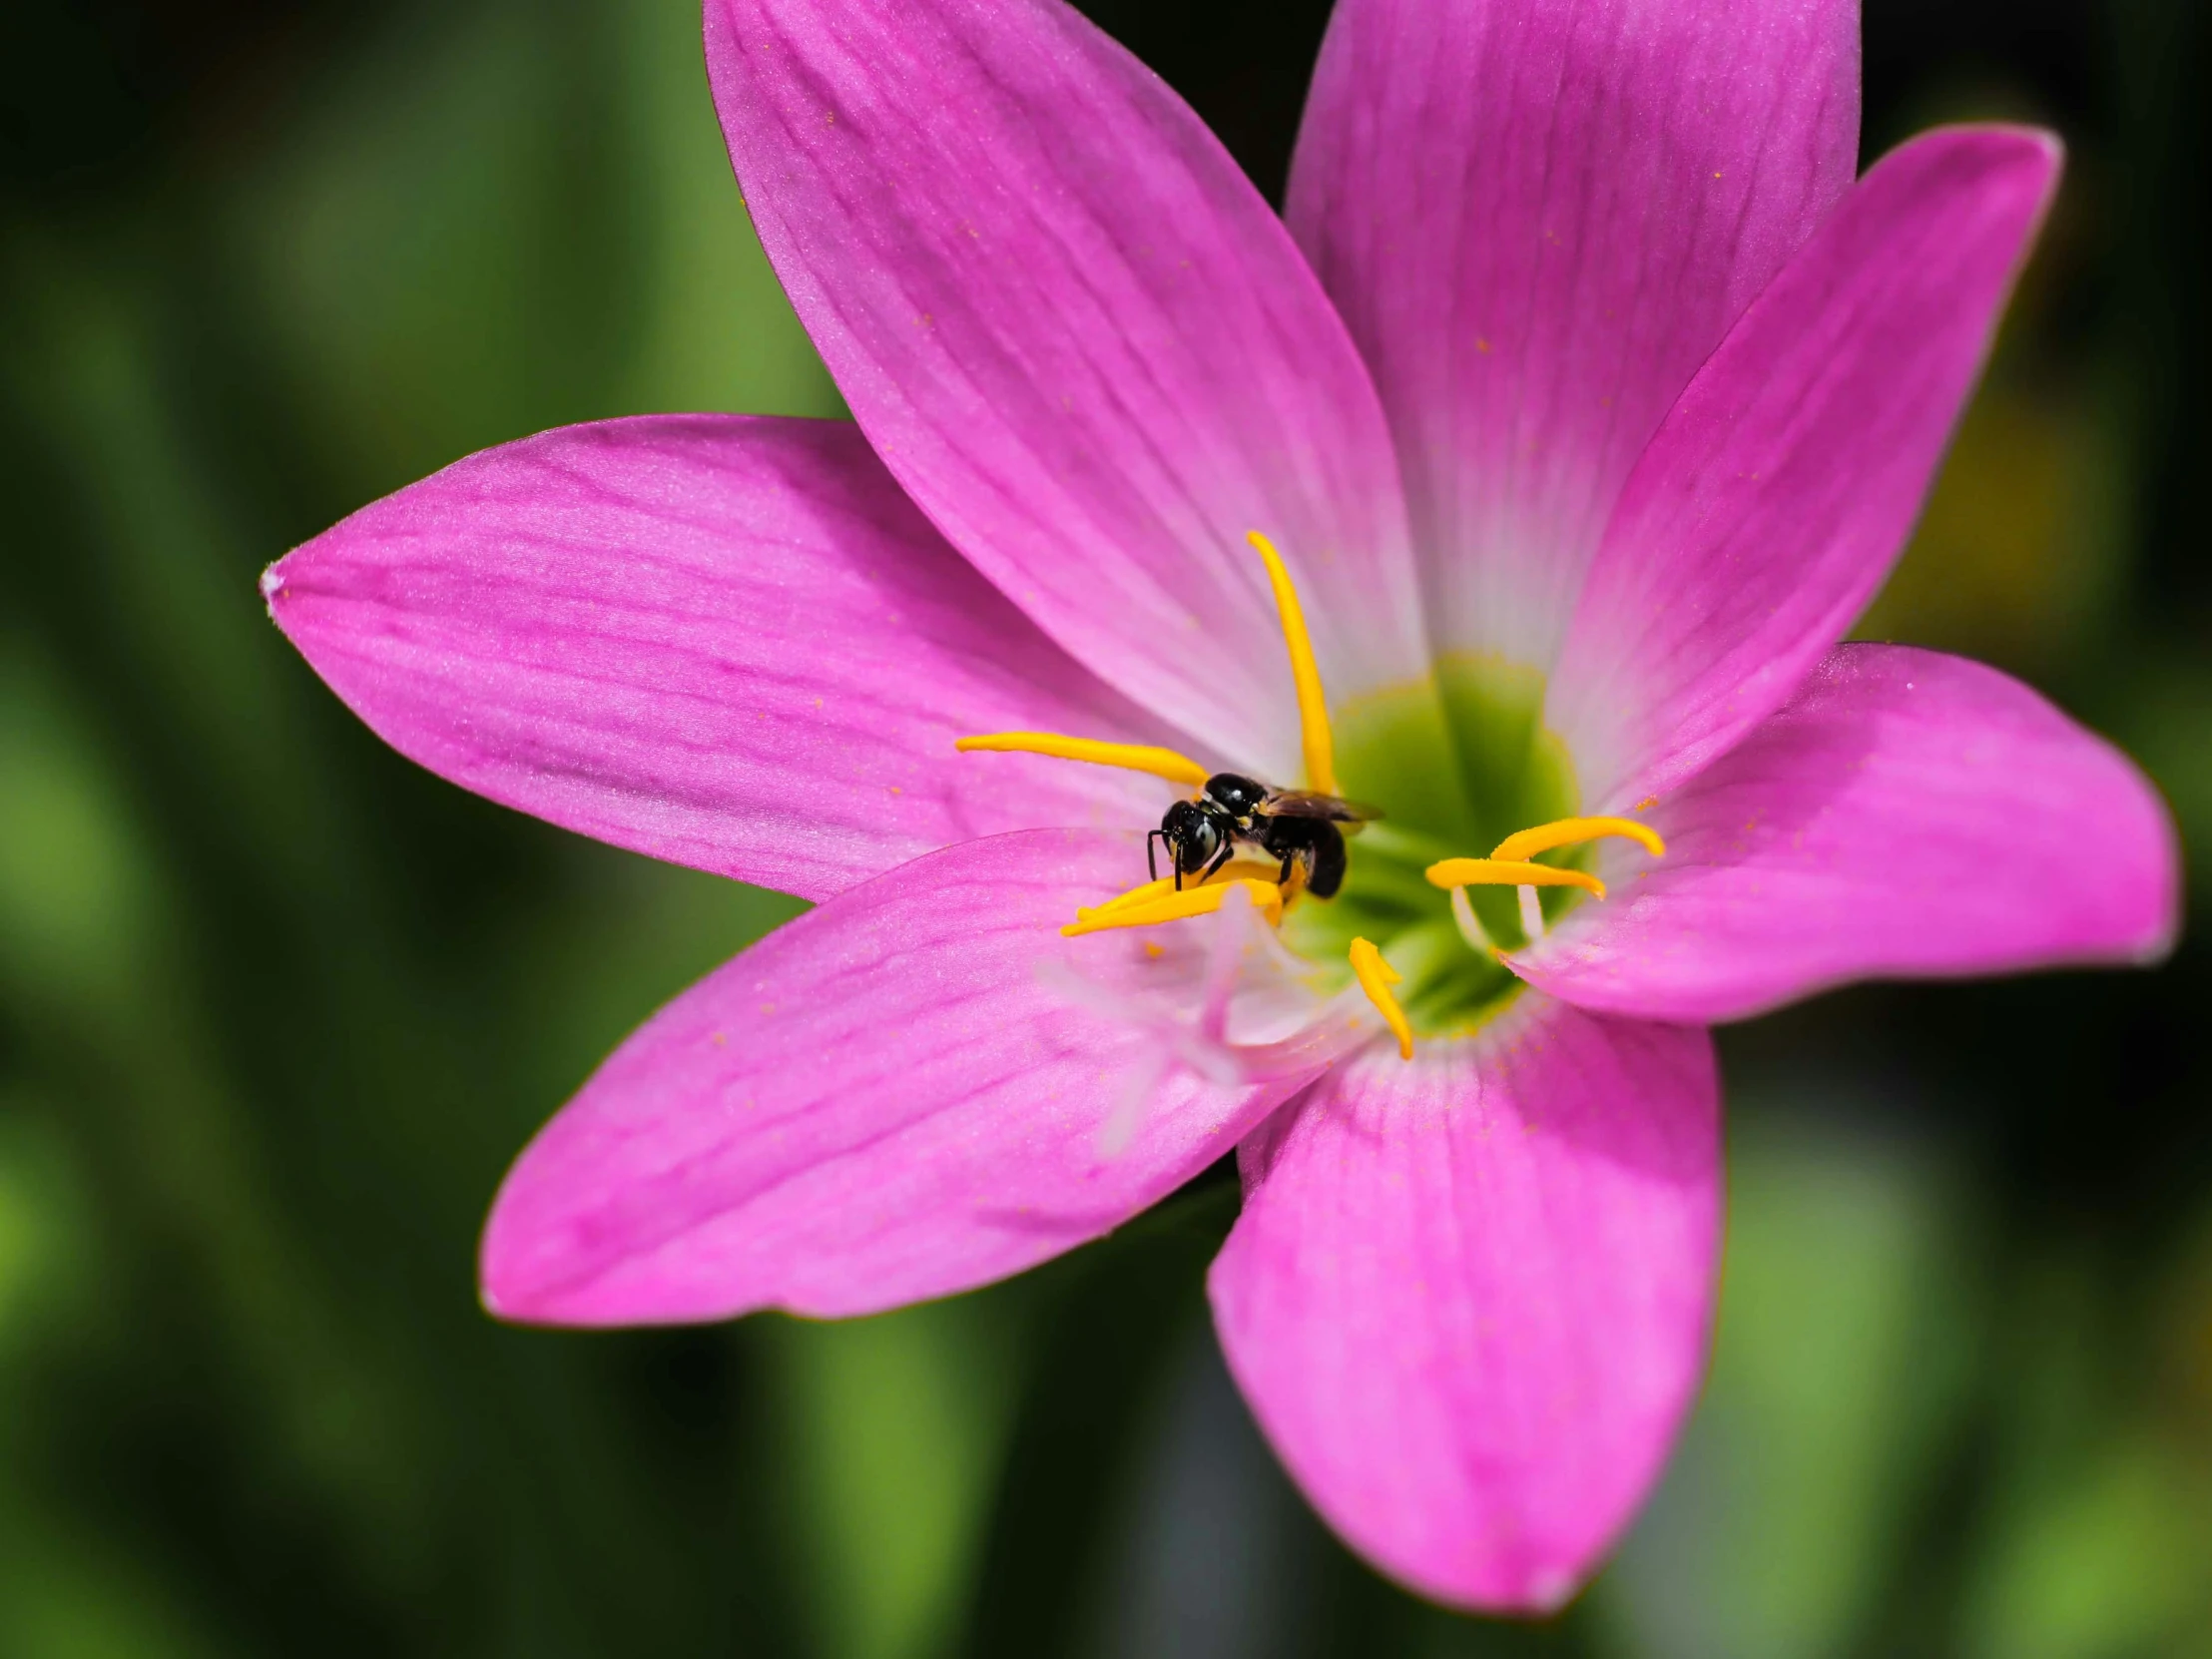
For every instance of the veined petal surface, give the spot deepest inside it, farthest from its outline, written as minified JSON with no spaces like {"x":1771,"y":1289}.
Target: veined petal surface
{"x":1906,"y":814}
{"x":1779,"y":493}
{"x":1468,"y":1296}
{"x":728,"y":641}
{"x":1080,"y":340}
{"x":1538,"y":218}
{"x":891,"y":1098}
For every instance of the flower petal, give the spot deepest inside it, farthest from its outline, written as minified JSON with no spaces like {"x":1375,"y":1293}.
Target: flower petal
{"x":1081,"y":341}
{"x":884,"y":1100}
{"x":1906,"y":812}
{"x":725,"y":641}
{"x":1774,"y":500}
{"x":1468,"y":1296}
{"x":1538,"y":218}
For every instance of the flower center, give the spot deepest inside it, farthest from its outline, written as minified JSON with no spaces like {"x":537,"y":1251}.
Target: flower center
{"x":1285,"y":849}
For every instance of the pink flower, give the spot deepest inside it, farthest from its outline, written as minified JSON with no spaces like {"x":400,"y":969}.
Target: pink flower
{"x":1588,"y":399}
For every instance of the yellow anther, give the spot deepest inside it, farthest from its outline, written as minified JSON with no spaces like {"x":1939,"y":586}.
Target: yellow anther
{"x":1312,"y":713}
{"x":1135,"y":896}
{"x":1132,"y":756}
{"x":1242,"y":869}
{"x":1508,"y":872}
{"x":1566,"y":831}
{"x":1375,"y":977}
{"x":1175,"y":906}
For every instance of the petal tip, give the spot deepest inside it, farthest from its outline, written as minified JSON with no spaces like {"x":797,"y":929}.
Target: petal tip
{"x":511,"y":1302}
{"x":2049,"y":147}
{"x":1550,"y":1590}
{"x":2162,"y":938}
{"x":2159,"y":950}
{"x":2035,"y":158}
{"x":2038,"y":147}
{"x":515,"y":1291}
{"x":496,"y":1291}
{"x":513,"y":1282}
{"x":2044,"y":156}
{"x":491,"y":1302}
{"x":2158,"y":896}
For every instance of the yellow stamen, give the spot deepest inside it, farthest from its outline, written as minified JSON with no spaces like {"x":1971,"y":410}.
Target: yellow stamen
{"x":1566,"y":831}
{"x":1132,"y":756}
{"x":1508,"y":872}
{"x":1243,"y":870}
{"x":1375,"y":977}
{"x":1174,"y":906}
{"x":1135,"y":896}
{"x":1312,"y":713}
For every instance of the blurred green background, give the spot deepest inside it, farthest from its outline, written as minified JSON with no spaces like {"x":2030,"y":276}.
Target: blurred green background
{"x":275,"y":1008}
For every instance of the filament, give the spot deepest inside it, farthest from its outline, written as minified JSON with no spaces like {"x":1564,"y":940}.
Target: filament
{"x":1469,"y":924}
{"x":1532,"y":913}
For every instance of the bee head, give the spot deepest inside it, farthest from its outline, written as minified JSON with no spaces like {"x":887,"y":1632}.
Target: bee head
{"x":1194,"y":832}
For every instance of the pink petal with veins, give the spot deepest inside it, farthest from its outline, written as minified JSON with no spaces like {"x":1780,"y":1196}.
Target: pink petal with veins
{"x":1538,"y":218}
{"x":1780,"y":490}
{"x":886,"y":1100}
{"x":1469,"y":1296}
{"x":1907,"y":814}
{"x":728,"y":641}
{"x":1080,"y":340}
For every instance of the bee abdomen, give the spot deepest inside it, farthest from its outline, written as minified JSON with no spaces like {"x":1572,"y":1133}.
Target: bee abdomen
{"x":1314,"y":843}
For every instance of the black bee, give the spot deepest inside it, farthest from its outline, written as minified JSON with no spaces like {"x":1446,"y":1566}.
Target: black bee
{"x":1293,"y":826}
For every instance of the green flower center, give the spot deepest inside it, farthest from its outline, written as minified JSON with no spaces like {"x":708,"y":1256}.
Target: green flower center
{"x":1456,"y":762}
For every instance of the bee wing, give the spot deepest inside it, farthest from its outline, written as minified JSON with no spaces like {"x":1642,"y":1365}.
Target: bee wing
{"x":1305,"y":803}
